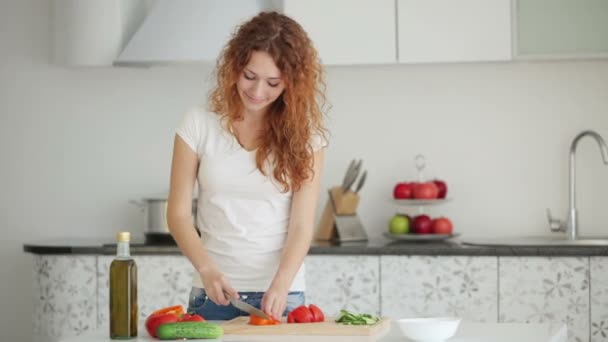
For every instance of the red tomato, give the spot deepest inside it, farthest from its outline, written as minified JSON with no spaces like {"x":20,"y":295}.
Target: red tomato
{"x":256,"y":320}
{"x":302,"y":314}
{"x":290,"y":318}
{"x":317,"y":314}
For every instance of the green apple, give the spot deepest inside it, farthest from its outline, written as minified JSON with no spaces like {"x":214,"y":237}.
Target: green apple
{"x":399,"y":224}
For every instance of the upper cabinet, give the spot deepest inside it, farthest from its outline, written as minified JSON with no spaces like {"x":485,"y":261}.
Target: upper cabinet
{"x":561,"y":28}
{"x":92,"y":33}
{"x":345,"y":32}
{"x":348,"y":31}
{"x":454,"y":31}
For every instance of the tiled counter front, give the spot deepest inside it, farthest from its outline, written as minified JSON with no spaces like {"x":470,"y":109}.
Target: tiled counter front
{"x":65,"y":294}
{"x":343,"y":282}
{"x":599,"y":298}
{"x":546,"y":289}
{"x":462,"y":286}
{"x":71,"y":291}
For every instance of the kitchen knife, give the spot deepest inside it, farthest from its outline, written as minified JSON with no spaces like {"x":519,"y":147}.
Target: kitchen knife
{"x":252,"y":310}
{"x":361,"y":182}
{"x":347,"y":175}
{"x":353,"y":175}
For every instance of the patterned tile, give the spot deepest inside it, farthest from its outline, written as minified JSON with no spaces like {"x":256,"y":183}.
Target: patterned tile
{"x":419,"y":286}
{"x":72,"y":291}
{"x":343,"y":282}
{"x":65,"y":291}
{"x":599,"y":298}
{"x":546,"y":289}
{"x":161,"y":281}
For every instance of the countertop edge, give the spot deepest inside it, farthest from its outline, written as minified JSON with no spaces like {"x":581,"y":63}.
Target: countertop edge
{"x":434,"y":249}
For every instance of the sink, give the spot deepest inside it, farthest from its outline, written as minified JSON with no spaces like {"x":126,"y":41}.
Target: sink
{"x":537,"y":241}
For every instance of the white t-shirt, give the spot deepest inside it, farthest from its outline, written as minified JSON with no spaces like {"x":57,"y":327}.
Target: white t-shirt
{"x":242,"y":215}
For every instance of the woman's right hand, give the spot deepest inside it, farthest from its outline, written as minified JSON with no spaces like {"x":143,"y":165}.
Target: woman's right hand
{"x":217,"y":287}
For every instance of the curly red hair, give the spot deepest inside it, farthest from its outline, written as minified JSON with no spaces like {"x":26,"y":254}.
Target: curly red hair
{"x":297,"y":115}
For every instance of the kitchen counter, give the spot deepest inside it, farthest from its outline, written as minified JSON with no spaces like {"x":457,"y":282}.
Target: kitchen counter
{"x":480,"y":284}
{"x":372,"y":247}
{"x":467,"y":332}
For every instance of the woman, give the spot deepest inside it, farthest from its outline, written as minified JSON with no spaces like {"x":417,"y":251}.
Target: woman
{"x":257,"y":155}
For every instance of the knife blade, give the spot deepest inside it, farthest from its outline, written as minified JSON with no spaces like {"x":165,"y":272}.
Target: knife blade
{"x":361,"y":182}
{"x":347,"y":175}
{"x":252,"y":310}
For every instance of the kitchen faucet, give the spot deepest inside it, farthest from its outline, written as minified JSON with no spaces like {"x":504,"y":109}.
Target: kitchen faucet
{"x":571,"y":225}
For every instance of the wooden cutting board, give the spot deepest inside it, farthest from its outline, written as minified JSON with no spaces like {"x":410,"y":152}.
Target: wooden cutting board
{"x":239,"y":326}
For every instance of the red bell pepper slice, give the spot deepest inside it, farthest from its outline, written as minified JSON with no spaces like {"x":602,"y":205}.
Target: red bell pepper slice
{"x":191,"y":318}
{"x":256,"y":320}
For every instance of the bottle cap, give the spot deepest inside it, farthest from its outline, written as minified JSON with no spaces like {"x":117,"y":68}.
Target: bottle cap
{"x":123,"y":237}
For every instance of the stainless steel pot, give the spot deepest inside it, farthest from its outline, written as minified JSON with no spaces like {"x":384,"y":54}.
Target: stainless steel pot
{"x":155,"y":214}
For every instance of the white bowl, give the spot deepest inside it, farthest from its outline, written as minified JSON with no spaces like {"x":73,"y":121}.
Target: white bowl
{"x":432,"y":329}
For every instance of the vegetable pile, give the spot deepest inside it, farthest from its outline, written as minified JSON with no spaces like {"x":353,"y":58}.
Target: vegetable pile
{"x":350,"y":318}
{"x":172,"y":323}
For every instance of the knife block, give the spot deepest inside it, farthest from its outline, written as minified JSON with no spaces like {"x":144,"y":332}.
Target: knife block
{"x":339,"y":220}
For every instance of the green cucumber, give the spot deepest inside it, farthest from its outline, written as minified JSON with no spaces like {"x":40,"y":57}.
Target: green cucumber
{"x":179,"y":330}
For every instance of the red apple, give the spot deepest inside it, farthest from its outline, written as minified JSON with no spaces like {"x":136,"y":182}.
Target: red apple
{"x":403,"y":190}
{"x":422,"y":224}
{"x":441,"y":225}
{"x":427,"y":190}
{"x":442,"y":188}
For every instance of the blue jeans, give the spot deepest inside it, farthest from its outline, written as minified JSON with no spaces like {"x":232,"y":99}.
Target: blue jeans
{"x":200,"y":304}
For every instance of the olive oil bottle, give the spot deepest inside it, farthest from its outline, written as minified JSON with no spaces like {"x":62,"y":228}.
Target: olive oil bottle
{"x":123,"y":291}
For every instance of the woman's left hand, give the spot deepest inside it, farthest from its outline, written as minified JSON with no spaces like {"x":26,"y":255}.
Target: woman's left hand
{"x":274,"y":301}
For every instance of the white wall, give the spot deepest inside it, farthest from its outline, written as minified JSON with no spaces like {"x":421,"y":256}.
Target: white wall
{"x":77,"y":144}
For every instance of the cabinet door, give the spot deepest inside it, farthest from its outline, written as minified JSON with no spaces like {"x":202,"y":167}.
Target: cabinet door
{"x":348,"y":31}
{"x":453,"y":31}
{"x":335,"y":282}
{"x":64,"y":293}
{"x":562,"y":28}
{"x":546,"y":289}
{"x":599,"y":298}
{"x":422,"y":286}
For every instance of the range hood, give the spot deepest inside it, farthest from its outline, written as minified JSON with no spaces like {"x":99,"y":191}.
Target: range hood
{"x":188,"y":31}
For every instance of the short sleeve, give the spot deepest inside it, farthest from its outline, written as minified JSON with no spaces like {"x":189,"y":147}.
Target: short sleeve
{"x":190,"y":129}
{"x":318,"y":141}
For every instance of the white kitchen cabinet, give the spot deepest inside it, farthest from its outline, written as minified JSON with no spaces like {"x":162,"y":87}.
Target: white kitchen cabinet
{"x":561,"y":28}
{"x":422,"y":286}
{"x":546,"y":289}
{"x":453,"y":31}
{"x":92,"y":33}
{"x":335,"y":282}
{"x":599,"y":298}
{"x":65,"y":291}
{"x":348,"y":31}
